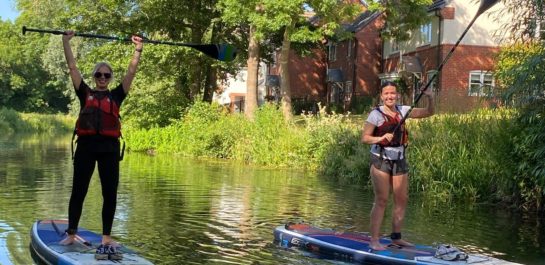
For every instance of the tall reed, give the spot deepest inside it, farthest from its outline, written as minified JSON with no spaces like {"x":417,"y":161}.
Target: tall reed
{"x":463,"y":155}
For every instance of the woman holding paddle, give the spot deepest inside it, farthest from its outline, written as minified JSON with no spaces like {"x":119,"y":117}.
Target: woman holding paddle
{"x":389,"y":168}
{"x":98,"y":129}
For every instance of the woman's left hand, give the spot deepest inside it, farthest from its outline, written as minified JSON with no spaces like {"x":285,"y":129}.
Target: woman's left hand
{"x":138,"y":41}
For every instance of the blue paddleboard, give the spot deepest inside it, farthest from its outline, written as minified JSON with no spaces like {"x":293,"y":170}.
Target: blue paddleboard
{"x":354,"y":247}
{"x":46,"y":235}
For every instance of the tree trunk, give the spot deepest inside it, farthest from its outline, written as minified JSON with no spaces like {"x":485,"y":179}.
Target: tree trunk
{"x":196,"y":71}
{"x":211,"y":83}
{"x":212,"y":71}
{"x":250,"y":102}
{"x":285,"y":89}
{"x":197,"y":76}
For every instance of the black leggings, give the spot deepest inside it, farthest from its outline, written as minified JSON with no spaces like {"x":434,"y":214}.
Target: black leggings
{"x":108,"y":170}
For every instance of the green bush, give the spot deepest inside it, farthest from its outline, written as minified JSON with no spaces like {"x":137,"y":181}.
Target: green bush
{"x":206,"y":130}
{"x":529,"y":151}
{"x":301,"y":105}
{"x":158,"y":105}
{"x":361,"y":105}
{"x":9,"y":121}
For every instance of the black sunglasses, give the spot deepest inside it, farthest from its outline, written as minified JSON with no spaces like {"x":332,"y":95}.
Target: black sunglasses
{"x":106,"y":75}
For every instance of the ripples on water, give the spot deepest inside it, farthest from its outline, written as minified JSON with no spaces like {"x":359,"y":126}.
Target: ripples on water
{"x":180,"y":211}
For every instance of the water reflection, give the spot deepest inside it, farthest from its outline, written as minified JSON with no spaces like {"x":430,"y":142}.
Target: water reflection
{"x":5,"y":230}
{"x":181,"y":211}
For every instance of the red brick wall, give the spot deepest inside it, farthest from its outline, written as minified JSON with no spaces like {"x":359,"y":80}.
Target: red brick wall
{"x":343,"y":62}
{"x":369,"y":59}
{"x":307,"y":75}
{"x":426,"y":54}
{"x":365,"y":60}
{"x":454,"y":79}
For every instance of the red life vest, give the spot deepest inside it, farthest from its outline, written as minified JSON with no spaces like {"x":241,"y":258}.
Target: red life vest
{"x":401,"y":135}
{"x":99,"y":115}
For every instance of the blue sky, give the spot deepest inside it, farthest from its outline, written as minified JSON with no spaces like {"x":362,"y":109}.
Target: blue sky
{"x":7,"y":10}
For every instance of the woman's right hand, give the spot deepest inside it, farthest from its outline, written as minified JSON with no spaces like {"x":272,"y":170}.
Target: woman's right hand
{"x":68,"y":35}
{"x":388,"y":137}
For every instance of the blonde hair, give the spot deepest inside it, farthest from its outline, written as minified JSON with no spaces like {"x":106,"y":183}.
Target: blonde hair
{"x":98,"y":65}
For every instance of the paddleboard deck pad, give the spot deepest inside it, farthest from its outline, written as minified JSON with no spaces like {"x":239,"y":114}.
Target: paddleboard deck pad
{"x":46,"y":235}
{"x":354,"y":247}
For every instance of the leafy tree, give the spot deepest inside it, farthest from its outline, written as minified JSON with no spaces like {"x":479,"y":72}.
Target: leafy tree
{"x":54,"y":63}
{"x":23,"y":81}
{"x":402,"y":16}
{"x":183,"y":72}
{"x":246,"y":16}
{"x":287,"y":16}
{"x":520,"y":73}
{"x":520,"y":69}
{"x":528,"y":20}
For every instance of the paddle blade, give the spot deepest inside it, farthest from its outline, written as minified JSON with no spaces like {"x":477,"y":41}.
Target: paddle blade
{"x":222,"y":52}
{"x":227,"y":52}
{"x":485,"y":5}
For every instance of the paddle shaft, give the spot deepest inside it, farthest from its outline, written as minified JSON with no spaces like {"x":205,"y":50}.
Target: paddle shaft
{"x":222,"y":52}
{"x":97,"y":36}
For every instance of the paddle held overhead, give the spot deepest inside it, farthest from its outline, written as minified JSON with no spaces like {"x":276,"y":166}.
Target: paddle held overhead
{"x":222,"y":52}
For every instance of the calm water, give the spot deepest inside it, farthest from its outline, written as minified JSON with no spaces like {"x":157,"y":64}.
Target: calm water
{"x":176,"y":210}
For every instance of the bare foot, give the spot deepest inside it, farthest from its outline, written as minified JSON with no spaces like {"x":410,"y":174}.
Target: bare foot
{"x":403,"y":243}
{"x":68,"y":240}
{"x":375,"y":245}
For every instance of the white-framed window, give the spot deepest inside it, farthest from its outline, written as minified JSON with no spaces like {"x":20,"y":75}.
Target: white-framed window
{"x":332,"y":52}
{"x":481,"y":83}
{"x":425,"y":34}
{"x":348,"y":87}
{"x":349,"y":48}
{"x":395,"y":46}
{"x":429,"y":76}
{"x":388,"y":77}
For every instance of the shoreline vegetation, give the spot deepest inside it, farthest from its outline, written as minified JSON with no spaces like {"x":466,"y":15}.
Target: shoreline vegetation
{"x":477,"y":157}
{"x":12,"y":121}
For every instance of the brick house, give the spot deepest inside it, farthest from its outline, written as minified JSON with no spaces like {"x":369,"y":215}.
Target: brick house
{"x":354,"y":65}
{"x":354,"y":69}
{"x":307,"y":74}
{"x":467,"y":78}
